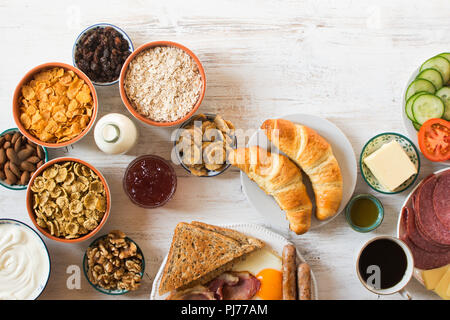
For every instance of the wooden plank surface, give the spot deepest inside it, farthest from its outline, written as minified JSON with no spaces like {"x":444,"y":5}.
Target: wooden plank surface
{"x":347,"y":61}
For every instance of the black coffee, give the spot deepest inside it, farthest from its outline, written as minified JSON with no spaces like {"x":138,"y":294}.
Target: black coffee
{"x":382,"y":264}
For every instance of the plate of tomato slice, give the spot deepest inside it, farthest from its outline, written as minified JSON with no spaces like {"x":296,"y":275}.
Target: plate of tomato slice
{"x":433,"y":136}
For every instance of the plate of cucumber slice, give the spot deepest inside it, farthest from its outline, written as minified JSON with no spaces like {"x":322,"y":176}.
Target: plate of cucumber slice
{"x":427,"y":95}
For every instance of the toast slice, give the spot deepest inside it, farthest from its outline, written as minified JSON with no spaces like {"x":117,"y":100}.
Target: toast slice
{"x":195,"y":252}
{"x":244,"y":240}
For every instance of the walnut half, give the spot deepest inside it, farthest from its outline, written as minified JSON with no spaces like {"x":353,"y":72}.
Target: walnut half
{"x":114,"y":263}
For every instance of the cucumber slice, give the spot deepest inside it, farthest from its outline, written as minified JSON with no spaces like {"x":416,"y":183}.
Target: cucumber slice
{"x":427,"y":106}
{"x":419,"y":85}
{"x":446,"y":55}
{"x":416,"y":125}
{"x":439,"y":63}
{"x":409,"y":103}
{"x":432,"y":75}
{"x":444,"y":94}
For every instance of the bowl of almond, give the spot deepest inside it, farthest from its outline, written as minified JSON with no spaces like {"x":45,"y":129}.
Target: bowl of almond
{"x":19,"y":159}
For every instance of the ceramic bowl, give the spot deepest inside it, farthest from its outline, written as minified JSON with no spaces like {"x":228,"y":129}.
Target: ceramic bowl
{"x":374,"y":144}
{"x":99,"y":288}
{"x":101,"y":25}
{"x":127,"y":102}
{"x":212,"y":173}
{"x":29,"y":200}
{"x":376,"y":224}
{"x":27,"y":77}
{"x":19,"y":187}
{"x":43,"y":285}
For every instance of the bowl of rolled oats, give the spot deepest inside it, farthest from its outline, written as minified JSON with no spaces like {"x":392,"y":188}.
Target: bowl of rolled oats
{"x":162,"y":83}
{"x":114,"y":264}
{"x":68,"y":200}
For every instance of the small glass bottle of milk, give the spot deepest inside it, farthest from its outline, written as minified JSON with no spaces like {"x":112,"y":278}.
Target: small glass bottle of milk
{"x":115,"y":134}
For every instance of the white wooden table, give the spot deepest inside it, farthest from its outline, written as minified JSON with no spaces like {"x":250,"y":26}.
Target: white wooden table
{"x":345,"y":60}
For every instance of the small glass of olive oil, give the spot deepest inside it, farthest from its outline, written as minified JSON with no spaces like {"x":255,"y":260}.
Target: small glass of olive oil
{"x":364,"y":213}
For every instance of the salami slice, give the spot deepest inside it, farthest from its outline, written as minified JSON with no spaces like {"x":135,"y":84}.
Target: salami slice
{"x":428,"y":223}
{"x":423,"y":259}
{"x":441,"y":199}
{"x":415,"y":236}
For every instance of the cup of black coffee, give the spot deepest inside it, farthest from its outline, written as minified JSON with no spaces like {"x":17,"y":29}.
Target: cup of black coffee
{"x":385,"y":265}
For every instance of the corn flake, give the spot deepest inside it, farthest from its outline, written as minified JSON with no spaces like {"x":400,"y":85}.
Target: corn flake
{"x":56,"y":105}
{"x":68,"y":200}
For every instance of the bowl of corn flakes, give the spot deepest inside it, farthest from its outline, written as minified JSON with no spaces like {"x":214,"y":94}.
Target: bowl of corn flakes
{"x":68,"y":200}
{"x":55,"y":105}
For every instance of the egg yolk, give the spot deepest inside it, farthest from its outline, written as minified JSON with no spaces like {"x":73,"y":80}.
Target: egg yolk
{"x":271,"y":284}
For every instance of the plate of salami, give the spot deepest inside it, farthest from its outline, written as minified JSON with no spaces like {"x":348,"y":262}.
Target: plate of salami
{"x":424,"y":222}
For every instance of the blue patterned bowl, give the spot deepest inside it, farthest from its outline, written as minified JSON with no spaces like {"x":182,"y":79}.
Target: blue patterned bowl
{"x":374,"y":144}
{"x":99,"y":288}
{"x":18,"y":186}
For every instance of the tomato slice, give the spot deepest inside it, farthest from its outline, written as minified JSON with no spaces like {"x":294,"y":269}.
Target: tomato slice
{"x":434,"y":139}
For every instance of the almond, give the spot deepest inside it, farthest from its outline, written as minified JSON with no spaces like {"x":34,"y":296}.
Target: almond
{"x":33,"y":159}
{"x":6,"y":145}
{"x":2,"y":175}
{"x":15,"y":169}
{"x":2,"y":156}
{"x":25,"y":165}
{"x":24,"y":178}
{"x":17,"y":145}
{"x":8,"y":137}
{"x":15,"y":137}
{"x":10,"y":177}
{"x":39,"y":164}
{"x":12,"y":156}
{"x":25,"y":153}
{"x":40,"y":152}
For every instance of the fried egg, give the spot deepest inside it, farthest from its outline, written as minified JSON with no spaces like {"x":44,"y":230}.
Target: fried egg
{"x":266,"y":266}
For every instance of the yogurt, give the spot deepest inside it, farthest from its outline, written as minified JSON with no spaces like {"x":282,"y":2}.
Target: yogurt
{"x":24,"y":262}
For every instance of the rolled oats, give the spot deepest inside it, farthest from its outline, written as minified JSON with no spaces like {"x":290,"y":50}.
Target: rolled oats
{"x":163,"y":83}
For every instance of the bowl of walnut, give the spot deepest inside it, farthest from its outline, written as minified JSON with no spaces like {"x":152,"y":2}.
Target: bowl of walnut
{"x":114,"y":264}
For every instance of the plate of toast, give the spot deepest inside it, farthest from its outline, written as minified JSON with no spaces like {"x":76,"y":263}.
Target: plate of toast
{"x":298,"y":171}
{"x":232,"y":262}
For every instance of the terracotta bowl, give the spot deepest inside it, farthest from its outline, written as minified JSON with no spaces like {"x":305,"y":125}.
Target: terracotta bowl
{"x":29,"y":200}
{"x":27,"y":77}
{"x":127,"y":102}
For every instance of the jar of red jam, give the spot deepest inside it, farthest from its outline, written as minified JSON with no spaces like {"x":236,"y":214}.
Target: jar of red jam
{"x":150,"y":181}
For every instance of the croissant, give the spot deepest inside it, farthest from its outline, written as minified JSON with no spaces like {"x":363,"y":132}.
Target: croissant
{"x":314,"y":155}
{"x":279,"y":177}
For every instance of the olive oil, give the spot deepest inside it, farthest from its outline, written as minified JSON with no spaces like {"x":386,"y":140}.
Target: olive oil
{"x":364,"y":213}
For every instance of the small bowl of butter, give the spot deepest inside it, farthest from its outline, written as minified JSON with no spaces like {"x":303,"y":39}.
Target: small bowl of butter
{"x":389,"y":163}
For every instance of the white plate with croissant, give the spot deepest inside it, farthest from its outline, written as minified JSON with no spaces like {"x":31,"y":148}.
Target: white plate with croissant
{"x":298,"y":171}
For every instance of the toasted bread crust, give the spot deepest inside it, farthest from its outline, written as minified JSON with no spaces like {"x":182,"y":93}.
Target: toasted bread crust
{"x":196,"y":254}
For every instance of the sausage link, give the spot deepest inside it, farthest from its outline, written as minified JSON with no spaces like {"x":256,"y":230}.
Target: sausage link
{"x":304,"y":282}
{"x":289,"y":266}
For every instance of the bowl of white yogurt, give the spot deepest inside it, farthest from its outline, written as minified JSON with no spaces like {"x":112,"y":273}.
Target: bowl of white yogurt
{"x":24,"y":261}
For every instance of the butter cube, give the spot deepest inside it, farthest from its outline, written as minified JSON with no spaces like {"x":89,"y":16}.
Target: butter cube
{"x":390,"y":165}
